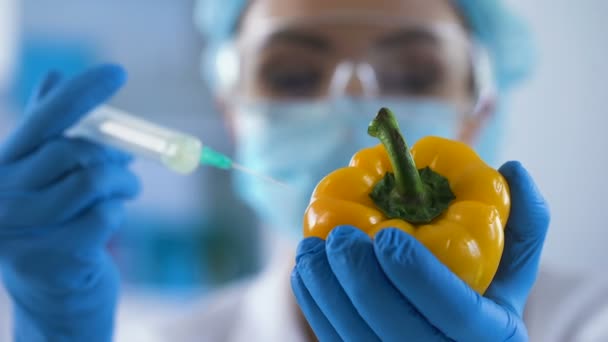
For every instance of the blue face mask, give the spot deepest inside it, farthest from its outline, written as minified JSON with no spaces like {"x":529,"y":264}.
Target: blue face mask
{"x":301,"y":142}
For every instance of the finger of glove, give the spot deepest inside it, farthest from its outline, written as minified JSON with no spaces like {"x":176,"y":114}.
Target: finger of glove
{"x":439,"y":295}
{"x":315,"y":318}
{"x":63,"y":201}
{"x":68,"y":103}
{"x":61,"y":260}
{"x":93,"y":185}
{"x":524,"y":238}
{"x":50,"y":82}
{"x":94,"y":227}
{"x":53,"y":160}
{"x":317,"y":276}
{"x":350,"y":253}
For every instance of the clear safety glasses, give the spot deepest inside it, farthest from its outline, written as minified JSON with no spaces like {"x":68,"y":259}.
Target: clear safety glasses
{"x":356,"y":55}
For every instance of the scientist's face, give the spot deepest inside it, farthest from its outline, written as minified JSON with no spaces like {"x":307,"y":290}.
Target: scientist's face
{"x":307,"y":40}
{"x":296,"y":48}
{"x":311,"y":74}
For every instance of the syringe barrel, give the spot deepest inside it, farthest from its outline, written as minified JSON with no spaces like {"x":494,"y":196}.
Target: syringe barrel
{"x":110,"y":126}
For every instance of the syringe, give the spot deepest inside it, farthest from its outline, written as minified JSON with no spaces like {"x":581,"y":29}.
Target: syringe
{"x":178,"y":151}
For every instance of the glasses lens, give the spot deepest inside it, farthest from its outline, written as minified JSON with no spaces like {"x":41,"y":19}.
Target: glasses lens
{"x":305,"y":60}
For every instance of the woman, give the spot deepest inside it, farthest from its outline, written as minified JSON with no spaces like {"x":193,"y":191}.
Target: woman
{"x":298,"y":82}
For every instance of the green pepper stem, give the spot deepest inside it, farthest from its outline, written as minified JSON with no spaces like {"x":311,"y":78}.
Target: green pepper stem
{"x":407,"y":178}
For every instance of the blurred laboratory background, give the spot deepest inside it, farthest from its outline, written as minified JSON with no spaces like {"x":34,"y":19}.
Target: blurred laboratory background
{"x":172,"y":242}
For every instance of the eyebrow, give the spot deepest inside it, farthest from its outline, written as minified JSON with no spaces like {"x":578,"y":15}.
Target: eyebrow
{"x":291,"y":36}
{"x":408,"y":37}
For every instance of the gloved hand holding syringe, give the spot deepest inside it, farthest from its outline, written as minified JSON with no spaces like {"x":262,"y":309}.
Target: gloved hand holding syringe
{"x":179,"y":152}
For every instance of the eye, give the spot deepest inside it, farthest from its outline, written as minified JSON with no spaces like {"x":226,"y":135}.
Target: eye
{"x":409,"y":82}
{"x":291,"y":80}
{"x":405,"y":72}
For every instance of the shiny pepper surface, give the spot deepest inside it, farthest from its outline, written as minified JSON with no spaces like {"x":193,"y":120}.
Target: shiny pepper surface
{"x":442,"y":193}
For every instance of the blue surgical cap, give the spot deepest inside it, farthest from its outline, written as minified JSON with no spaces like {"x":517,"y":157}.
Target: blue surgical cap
{"x":504,"y":35}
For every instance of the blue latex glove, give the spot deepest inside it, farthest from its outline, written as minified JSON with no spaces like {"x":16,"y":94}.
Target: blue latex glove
{"x":60,"y":201}
{"x":392,"y":288}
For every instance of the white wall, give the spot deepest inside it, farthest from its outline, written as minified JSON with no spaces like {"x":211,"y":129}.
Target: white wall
{"x":559,"y":125}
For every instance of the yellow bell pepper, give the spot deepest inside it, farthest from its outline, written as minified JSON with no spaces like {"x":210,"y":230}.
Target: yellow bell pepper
{"x":441,"y":193}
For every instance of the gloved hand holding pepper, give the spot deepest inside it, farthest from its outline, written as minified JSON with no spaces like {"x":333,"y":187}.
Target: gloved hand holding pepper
{"x":426,"y":284}
{"x":61,"y":199}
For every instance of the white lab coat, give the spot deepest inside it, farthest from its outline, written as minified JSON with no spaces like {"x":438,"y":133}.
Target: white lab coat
{"x":560,"y":309}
